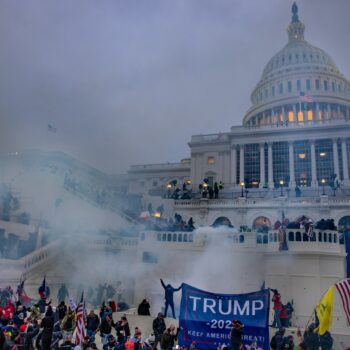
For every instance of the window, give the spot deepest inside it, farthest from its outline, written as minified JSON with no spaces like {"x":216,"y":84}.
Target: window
{"x":252,"y":164}
{"x":298,"y":85}
{"x":280,"y":159}
{"x":324,"y":159}
{"x":273,"y":91}
{"x":291,"y":117}
{"x":333,"y":86}
{"x":302,"y":163}
{"x":211,"y":160}
{"x":317,"y":83}
{"x":325,"y":85}
{"x":289,"y":86}
{"x":281,"y":88}
{"x":308,"y":84}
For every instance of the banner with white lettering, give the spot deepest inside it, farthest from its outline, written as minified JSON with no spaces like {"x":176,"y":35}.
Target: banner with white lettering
{"x":206,"y":318}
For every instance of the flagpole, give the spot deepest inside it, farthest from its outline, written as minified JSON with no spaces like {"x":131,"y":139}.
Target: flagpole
{"x":314,"y":309}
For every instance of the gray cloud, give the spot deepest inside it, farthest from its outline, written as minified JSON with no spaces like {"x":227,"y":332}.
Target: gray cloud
{"x":128,"y":82}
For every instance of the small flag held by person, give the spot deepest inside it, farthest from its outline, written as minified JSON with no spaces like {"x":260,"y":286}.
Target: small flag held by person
{"x":80,"y":312}
{"x":343,"y":288}
{"x":324,"y":311}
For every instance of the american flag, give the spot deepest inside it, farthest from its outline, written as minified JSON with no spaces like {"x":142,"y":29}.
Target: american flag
{"x":80,"y":331}
{"x":344,"y":291}
{"x":305,"y":97}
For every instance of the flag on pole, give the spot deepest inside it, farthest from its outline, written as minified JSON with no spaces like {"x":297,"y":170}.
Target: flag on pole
{"x":20,"y":288}
{"x":42,"y":288}
{"x":51,"y":128}
{"x":80,"y":331}
{"x":344,"y":291}
{"x":324,"y":311}
{"x":72,"y":304}
{"x":305,"y":97}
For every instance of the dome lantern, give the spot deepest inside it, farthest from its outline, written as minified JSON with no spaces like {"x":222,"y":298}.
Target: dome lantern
{"x":296,"y":28}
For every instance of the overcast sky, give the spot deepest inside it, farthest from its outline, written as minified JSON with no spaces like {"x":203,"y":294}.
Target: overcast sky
{"x":129,"y":81}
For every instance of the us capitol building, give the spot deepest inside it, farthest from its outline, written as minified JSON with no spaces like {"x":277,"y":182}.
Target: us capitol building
{"x":290,"y":159}
{"x":294,"y":144}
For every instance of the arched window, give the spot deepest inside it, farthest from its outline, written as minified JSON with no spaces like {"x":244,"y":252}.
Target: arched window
{"x":174,"y":237}
{"x":262,"y":224}
{"x":169,"y":237}
{"x":179,"y":237}
{"x":265,"y":239}
{"x":320,"y":237}
{"x":185,"y":237}
{"x":222,"y":221}
{"x":241,"y":238}
{"x":344,"y":224}
{"x":164,"y":237}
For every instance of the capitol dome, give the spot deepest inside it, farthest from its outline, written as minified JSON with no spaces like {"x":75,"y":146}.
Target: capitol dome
{"x":299,"y":84}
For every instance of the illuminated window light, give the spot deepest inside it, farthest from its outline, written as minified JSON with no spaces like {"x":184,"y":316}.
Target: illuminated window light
{"x":211,"y":160}
{"x":302,"y":155}
{"x":323,"y":154}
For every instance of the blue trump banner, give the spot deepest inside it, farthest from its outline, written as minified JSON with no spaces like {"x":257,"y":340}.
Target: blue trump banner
{"x":206,"y":318}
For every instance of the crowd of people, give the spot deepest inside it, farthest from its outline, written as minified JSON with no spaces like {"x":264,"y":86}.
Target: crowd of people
{"x":177,"y":223}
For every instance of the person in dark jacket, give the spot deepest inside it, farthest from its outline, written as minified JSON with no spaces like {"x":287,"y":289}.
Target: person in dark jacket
{"x":169,"y":297}
{"x":123,"y":330}
{"x":143,"y":308}
{"x":47,"y":324}
{"x":236,"y":334}
{"x":277,"y":339}
{"x":31,"y":333}
{"x":158,"y":328}
{"x":62,"y":310}
{"x":92,"y":323}
{"x":169,"y":337}
{"x":311,"y":338}
{"x":106,"y":328}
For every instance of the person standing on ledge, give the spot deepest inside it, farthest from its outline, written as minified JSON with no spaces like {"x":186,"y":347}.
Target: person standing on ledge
{"x":169,"y":297}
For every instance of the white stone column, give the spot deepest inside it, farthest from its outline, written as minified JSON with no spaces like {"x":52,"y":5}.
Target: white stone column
{"x":262,"y":165}
{"x":317,"y":112}
{"x":344,"y":152}
{"x":270,"y":164}
{"x":241,"y":163}
{"x":291,"y":165}
{"x":284,"y":117}
{"x":313,"y":164}
{"x":233,"y":178}
{"x":329,"y":111}
{"x":336,"y":158}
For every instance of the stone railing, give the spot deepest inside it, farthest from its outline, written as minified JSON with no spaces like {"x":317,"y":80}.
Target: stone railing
{"x":161,"y":166}
{"x":261,"y":202}
{"x":11,"y":269}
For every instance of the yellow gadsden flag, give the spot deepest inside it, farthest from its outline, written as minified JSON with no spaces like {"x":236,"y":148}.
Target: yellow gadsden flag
{"x":324,"y":311}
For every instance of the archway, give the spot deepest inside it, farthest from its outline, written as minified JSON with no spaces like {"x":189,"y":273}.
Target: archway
{"x":222,"y":221}
{"x":262,"y":224}
{"x":344,"y":224}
